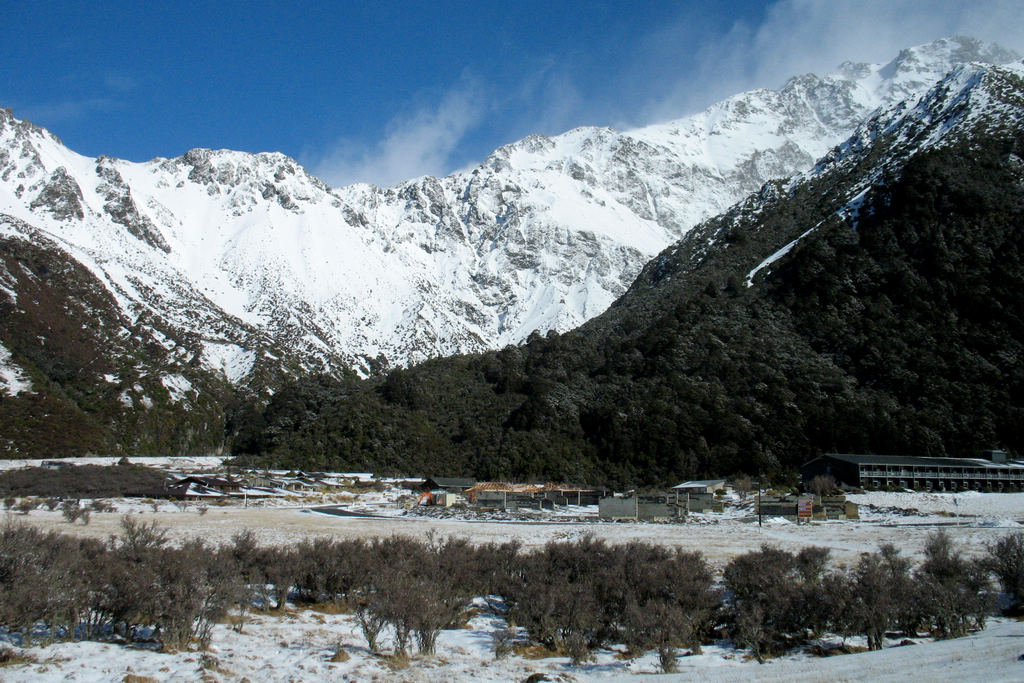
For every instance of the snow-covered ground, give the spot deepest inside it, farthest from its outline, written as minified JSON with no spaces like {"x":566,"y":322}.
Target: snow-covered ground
{"x":968,"y":504}
{"x":12,"y":380}
{"x":300,"y":644}
{"x":904,"y":519}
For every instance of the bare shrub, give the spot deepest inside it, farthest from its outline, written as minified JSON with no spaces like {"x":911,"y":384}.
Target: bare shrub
{"x":822,"y":485}
{"x":71,"y":509}
{"x":100,"y":505}
{"x":244,"y":555}
{"x":398,"y":602}
{"x":41,"y":580}
{"x":553,"y":596}
{"x":128,"y":598}
{"x":575,"y":597}
{"x":502,"y":639}
{"x":1005,"y":559}
{"x":388,"y":591}
{"x":139,"y":538}
{"x":279,"y":567}
{"x":743,"y":484}
{"x":417,"y":589}
{"x":371,"y":622}
{"x":332,"y":571}
{"x":446,"y":582}
{"x":878,"y":594}
{"x":776,"y":596}
{"x":194,"y":588}
{"x":951,"y":589}
{"x":26,"y":506}
{"x":63,"y":587}
{"x":495,"y":564}
{"x":670,"y":604}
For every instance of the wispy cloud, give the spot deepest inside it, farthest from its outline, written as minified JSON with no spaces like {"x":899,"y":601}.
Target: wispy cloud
{"x":676,"y":70}
{"x":800,"y":36}
{"x":66,"y":111}
{"x":423,"y":141}
{"x":548,"y":100}
{"x":108,"y":91}
{"x":119,"y":81}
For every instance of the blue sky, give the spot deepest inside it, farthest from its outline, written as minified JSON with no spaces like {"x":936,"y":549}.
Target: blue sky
{"x":384,"y":91}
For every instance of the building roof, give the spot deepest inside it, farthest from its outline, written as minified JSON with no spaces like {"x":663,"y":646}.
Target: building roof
{"x":699,"y":483}
{"x":569,"y":488}
{"x":919,"y":461}
{"x":453,"y":482}
{"x":185,"y":488}
{"x":501,"y":486}
{"x":211,"y":481}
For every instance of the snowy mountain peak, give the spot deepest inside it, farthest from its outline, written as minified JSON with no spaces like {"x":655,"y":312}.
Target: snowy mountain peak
{"x":238,"y":249}
{"x":919,"y":67}
{"x":929,"y":59}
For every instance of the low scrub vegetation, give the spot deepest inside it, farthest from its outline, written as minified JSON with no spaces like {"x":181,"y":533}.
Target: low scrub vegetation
{"x":82,"y":481}
{"x":569,"y":598}
{"x":779,"y":599}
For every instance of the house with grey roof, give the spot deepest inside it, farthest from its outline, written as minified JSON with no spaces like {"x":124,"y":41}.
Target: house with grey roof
{"x":700,"y":486}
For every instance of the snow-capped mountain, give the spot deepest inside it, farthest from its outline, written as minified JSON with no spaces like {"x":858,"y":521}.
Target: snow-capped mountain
{"x":971,"y":100}
{"x":256,"y":258}
{"x":870,"y":304}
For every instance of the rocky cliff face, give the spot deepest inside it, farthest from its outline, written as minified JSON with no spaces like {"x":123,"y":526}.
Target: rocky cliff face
{"x":262,"y":265}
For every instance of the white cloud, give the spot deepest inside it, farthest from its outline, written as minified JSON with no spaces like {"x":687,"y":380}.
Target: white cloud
{"x":421,"y":142}
{"x":677,"y":70}
{"x":800,"y":36}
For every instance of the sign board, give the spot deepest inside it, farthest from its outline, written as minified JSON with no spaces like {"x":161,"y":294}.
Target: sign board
{"x":805,"y":508}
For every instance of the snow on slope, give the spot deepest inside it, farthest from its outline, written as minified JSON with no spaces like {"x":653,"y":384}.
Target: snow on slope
{"x":12,"y":380}
{"x":241,"y":249}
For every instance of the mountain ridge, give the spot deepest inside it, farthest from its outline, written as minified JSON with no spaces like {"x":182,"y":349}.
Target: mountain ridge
{"x":871,"y":305}
{"x":208,"y":325}
{"x":543,"y":235}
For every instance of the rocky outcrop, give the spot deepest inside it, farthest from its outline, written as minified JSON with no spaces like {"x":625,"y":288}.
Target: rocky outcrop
{"x":61,"y":197}
{"x":546,"y":233}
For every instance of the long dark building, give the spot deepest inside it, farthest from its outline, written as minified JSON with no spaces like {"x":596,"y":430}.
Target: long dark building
{"x":991,"y":473}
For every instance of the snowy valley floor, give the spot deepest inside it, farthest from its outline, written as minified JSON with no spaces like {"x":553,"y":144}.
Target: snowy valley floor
{"x":299,"y":644}
{"x":904,"y":519}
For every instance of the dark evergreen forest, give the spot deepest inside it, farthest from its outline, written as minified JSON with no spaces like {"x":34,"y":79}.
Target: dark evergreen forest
{"x":894,"y":328}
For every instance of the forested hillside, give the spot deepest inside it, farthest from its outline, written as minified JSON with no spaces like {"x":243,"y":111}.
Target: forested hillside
{"x":893,"y":324}
{"x":90,"y":380}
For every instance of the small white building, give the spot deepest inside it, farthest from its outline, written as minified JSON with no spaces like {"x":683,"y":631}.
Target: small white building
{"x":700,"y":486}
